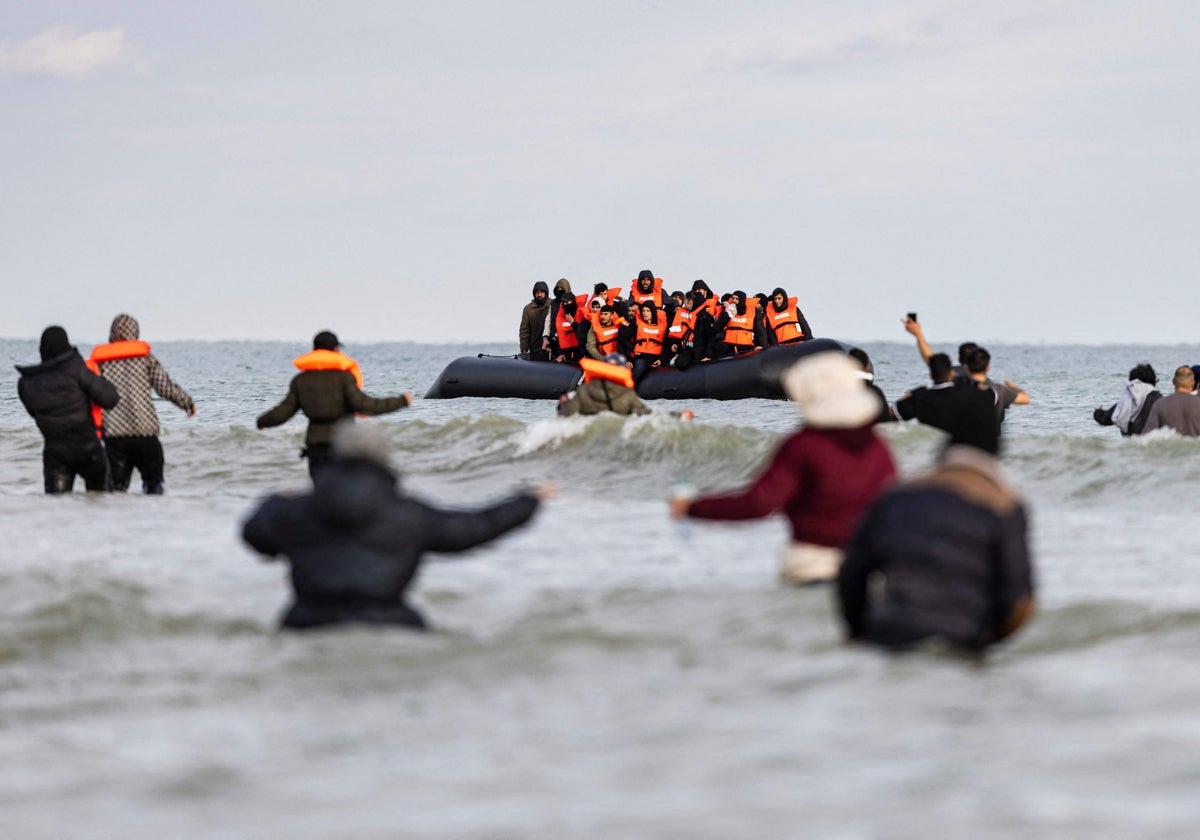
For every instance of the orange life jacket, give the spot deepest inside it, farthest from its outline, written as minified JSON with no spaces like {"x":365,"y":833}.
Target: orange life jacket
{"x":595,"y":369}
{"x":683,"y":325}
{"x":650,"y":336}
{"x":329,"y":360}
{"x":606,"y":337}
{"x":654,"y":297}
{"x":713,"y":305}
{"x":112,"y":352}
{"x":565,"y":329}
{"x":611,"y":295}
{"x":740,"y":332}
{"x":785,"y":323}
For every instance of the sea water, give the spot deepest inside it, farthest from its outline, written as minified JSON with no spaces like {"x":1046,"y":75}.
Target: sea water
{"x":599,"y":673}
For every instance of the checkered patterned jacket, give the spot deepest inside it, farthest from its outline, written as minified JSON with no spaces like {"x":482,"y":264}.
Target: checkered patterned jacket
{"x":134,"y":414}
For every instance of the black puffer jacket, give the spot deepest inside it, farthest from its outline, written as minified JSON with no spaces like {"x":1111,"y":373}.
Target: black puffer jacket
{"x":59,"y":392}
{"x":355,"y":542}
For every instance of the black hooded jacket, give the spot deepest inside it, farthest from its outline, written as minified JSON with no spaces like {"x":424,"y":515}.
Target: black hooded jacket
{"x":533,"y":319}
{"x":356,"y":541}
{"x":58,"y":393}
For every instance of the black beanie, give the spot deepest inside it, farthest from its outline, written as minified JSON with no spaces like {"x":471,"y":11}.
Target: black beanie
{"x":54,"y":343}
{"x":325,"y":340}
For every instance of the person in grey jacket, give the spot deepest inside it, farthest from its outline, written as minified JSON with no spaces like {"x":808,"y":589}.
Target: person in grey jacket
{"x":59,"y":394}
{"x":356,"y":541}
{"x":131,"y":428}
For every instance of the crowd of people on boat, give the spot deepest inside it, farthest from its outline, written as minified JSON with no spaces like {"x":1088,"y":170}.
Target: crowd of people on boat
{"x":651,"y":327}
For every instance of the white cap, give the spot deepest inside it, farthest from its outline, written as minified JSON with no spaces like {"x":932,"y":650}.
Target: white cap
{"x":829,"y":391}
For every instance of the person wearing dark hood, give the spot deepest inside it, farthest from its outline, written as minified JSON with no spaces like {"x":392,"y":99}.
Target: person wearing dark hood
{"x":131,"y":428}
{"x":741,"y":326}
{"x":59,"y":394}
{"x":785,"y":322}
{"x":533,"y":324}
{"x":648,"y":288}
{"x":822,"y":477}
{"x":563,"y":330}
{"x":327,"y":389}
{"x":942,"y":559}
{"x":356,"y":542}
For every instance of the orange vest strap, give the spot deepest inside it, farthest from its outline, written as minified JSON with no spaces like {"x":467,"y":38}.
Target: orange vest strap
{"x":329,"y":360}
{"x":595,"y":369}
{"x":116,"y":350}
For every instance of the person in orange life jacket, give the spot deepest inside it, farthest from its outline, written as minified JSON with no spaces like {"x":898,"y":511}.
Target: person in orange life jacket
{"x":563,"y":326}
{"x":604,"y":336}
{"x":533,"y":324}
{"x":607,"y":386}
{"x":131,"y":428}
{"x":647,"y":287}
{"x":822,"y":477}
{"x":676,"y":299}
{"x":740,"y":325}
{"x":681,"y":332}
{"x":59,"y":394}
{"x":786,"y":324}
{"x":327,"y":389}
{"x":649,"y":332}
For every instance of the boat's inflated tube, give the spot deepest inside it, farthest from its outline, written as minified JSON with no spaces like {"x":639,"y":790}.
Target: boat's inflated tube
{"x":733,"y":378}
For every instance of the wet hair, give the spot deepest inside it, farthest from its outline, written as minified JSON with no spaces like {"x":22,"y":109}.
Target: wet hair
{"x":859,"y":356}
{"x":940,"y":369}
{"x":964,"y":350}
{"x":977,"y":360}
{"x":1144,"y":373}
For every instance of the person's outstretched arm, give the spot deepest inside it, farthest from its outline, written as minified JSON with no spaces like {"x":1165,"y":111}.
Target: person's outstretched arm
{"x":166,"y":388}
{"x":450,"y":531}
{"x":366,"y":404}
{"x":778,"y":484}
{"x":915,"y":330}
{"x":283,"y":412}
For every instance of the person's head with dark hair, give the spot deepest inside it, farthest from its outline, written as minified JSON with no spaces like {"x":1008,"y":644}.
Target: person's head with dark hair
{"x":645,"y":280}
{"x":779,"y":297}
{"x":692,"y":299}
{"x":649,"y":313}
{"x":861,"y":357}
{"x":599,"y":288}
{"x":1144,"y":373}
{"x":964,"y":350}
{"x":978,"y":360}
{"x":677,"y":297}
{"x":701,"y":286}
{"x":54,"y":343}
{"x":325,"y":340}
{"x":1196,"y":372}
{"x":940,"y":368}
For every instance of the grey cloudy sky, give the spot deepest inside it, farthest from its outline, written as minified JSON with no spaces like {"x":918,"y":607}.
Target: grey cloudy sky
{"x":1020,"y":171}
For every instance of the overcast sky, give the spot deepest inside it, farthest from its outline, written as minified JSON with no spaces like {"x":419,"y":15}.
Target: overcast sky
{"x":1015,"y":171}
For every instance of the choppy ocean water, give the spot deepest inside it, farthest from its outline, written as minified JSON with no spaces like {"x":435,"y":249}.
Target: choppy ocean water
{"x":604,"y":672}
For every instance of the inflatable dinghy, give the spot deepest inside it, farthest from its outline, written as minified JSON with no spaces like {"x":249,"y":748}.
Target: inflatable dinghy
{"x":732,"y":378}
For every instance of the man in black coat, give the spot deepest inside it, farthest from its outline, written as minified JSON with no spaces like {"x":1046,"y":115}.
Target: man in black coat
{"x":58,"y":393}
{"x":356,"y":541}
{"x":944,"y":557}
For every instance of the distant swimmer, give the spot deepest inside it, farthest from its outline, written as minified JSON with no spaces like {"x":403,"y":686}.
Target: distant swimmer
{"x":821,"y":477}
{"x":1130,"y":413}
{"x":356,"y":542}
{"x":1179,"y":411}
{"x":942,"y":558}
{"x":59,"y":393}
{"x":131,"y":428}
{"x":328,"y":388}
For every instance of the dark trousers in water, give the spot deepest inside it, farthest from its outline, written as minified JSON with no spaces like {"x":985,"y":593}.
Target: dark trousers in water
{"x":305,"y":615}
{"x":144,"y":453}
{"x":62,"y":460}
{"x":317,"y":454}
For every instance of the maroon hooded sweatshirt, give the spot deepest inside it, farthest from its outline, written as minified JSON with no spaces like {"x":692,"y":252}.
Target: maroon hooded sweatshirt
{"x":823,"y":479}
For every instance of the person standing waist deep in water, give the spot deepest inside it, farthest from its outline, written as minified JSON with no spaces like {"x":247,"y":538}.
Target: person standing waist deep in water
{"x":328,"y":388}
{"x":131,"y":428}
{"x":59,"y":393}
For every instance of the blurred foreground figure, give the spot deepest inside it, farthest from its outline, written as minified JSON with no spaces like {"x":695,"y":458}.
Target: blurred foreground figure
{"x":356,"y":541}
{"x":59,"y":395}
{"x":944,"y":557}
{"x":822,"y":477}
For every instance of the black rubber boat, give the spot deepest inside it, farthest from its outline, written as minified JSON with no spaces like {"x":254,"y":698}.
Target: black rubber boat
{"x":732,"y":378}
